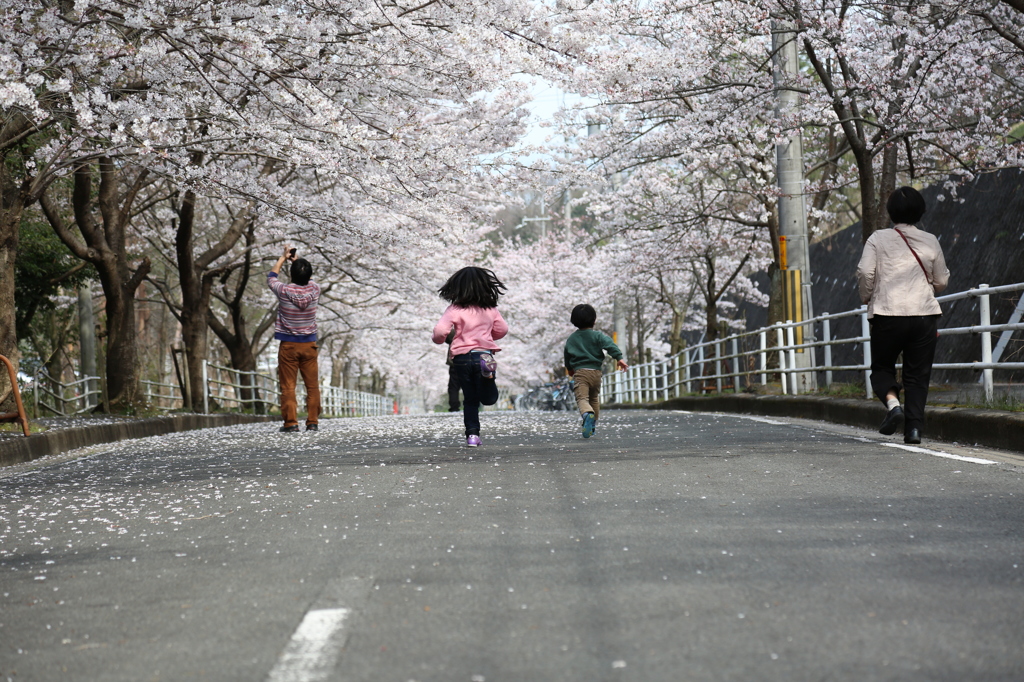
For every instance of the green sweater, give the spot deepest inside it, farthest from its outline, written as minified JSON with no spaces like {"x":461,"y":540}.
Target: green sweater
{"x":584,"y":349}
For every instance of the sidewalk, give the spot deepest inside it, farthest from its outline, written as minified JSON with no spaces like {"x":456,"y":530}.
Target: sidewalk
{"x":970,"y":426}
{"x":65,"y":434}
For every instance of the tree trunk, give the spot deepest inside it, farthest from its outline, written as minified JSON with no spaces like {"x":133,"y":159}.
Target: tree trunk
{"x":337,"y":366}
{"x":122,"y":350}
{"x":195,"y":302}
{"x":710,"y":302}
{"x":12,"y":203}
{"x":196,"y":276}
{"x":241,"y":347}
{"x":675,"y":338}
{"x":240,"y":350}
{"x":104,"y":244}
{"x":15,"y":195}
{"x":243,"y":359}
{"x":640,"y":347}
{"x":10,"y":217}
{"x":346,"y":375}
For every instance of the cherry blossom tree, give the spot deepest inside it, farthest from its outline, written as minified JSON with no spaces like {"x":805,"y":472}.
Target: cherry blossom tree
{"x":919,"y":90}
{"x":546,"y":278}
{"x":384,"y":104}
{"x":681,"y":97}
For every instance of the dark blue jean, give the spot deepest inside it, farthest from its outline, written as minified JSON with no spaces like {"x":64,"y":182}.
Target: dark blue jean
{"x":475,"y":390}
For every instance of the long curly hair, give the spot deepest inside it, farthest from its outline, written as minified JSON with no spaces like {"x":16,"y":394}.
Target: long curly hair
{"x":473,"y":287}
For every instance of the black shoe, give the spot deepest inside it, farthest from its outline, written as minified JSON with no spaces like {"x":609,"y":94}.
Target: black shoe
{"x":892,"y":421}
{"x":912,"y":436}
{"x":311,"y":427}
{"x":289,"y":429}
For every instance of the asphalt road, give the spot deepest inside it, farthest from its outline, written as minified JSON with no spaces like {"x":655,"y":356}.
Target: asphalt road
{"x":671,"y":546}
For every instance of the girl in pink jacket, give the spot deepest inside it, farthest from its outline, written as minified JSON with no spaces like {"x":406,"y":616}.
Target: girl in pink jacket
{"x":473,"y":316}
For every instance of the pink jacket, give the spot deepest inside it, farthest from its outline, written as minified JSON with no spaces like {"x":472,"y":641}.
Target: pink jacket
{"x":474,"y":328}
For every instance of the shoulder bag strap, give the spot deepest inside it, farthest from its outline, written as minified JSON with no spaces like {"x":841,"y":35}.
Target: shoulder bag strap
{"x":916,"y":257}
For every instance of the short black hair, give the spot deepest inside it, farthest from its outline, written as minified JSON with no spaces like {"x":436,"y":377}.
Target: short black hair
{"x":906,"y":206}
{"x":473,"y":287}
{"x":583,"y":316}
{"x":301,"y":271}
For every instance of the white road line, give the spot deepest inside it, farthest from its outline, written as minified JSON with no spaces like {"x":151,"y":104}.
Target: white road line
{"x":910,"y":448}
{"x":939,"y":453}
{"x":313,"y":649}
{"x":763,"y":420}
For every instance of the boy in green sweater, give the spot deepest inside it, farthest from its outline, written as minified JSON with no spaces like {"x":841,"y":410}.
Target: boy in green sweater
{"x":584,"y":355}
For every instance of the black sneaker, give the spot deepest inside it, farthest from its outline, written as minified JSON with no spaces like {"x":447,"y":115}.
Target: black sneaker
{"x":289,"y":429}
{"x":892,"y":421}
{"x":312,"y":427}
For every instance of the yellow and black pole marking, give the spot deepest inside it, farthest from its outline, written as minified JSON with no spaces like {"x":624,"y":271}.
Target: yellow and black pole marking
{"x":792,"y":293}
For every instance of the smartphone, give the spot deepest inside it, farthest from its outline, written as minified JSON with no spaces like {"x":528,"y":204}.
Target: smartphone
{"x":292,"y":253}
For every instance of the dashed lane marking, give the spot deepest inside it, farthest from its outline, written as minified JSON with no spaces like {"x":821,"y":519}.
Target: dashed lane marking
{"x":313,"y":649}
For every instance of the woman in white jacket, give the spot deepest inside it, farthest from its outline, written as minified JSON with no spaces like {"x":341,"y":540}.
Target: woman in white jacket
{"x":899,"y":274}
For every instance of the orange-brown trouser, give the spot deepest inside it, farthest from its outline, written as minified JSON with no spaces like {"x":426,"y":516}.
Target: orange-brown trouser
{"x":293,"y":358}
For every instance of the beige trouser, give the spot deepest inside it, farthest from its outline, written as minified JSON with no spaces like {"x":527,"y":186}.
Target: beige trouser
{"x":588,"y":390}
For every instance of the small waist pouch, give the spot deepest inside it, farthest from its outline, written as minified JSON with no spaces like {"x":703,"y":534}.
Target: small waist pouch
{"x":488,"y":365}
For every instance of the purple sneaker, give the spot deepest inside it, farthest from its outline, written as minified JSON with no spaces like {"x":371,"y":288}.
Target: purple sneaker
{"x":472,"y":441}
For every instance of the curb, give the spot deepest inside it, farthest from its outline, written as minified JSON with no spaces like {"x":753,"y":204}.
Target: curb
{"x":969,"y":426}
{"x":18,"y":450}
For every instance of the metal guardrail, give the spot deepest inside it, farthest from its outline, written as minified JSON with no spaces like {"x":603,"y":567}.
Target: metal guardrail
{"x":164,"y":400}
{"x":258,"y":391}
{"x":66,"y":399}
{"x":243,"y":390}
{"x":724,"y":364}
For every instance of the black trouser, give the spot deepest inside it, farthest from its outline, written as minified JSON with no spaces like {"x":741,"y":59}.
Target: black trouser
{"x":453,"y":389}
{"x":915,"y":338}
{"x":475,"y":390}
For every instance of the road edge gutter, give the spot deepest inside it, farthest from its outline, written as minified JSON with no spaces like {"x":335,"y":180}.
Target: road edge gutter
{"x":966,"y":426}
{"x":57,"y":441}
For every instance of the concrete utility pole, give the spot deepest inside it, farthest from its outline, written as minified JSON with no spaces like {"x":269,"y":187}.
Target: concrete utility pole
{"x":796,"y":269}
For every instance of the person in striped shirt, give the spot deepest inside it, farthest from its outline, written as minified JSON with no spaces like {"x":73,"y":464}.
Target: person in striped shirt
{"x":295,"y":328}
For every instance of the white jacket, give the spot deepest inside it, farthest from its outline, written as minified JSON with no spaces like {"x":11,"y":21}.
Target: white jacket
{"x":891,"y":280}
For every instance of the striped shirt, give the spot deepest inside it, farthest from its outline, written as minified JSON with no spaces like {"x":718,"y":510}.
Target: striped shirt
{"x":296,"y":310}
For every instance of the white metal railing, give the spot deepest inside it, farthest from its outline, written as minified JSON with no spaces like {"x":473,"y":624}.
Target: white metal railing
{"x":343,"y":402}
{"x":723,"y":364}
{"x":75,"y":397}
{"x":259,"y":391}
{"x":163,"y":396}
